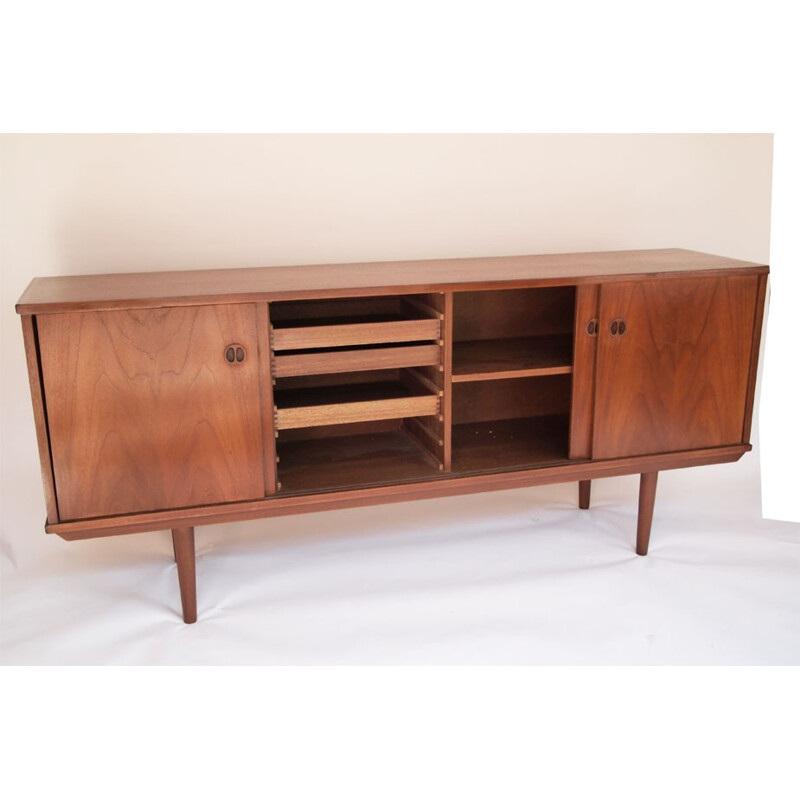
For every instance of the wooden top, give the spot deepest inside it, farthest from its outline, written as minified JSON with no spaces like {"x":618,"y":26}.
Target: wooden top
{"x":202,"y":287}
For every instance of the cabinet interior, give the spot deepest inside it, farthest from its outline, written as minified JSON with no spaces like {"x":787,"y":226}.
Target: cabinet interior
{"x":362,"y":394}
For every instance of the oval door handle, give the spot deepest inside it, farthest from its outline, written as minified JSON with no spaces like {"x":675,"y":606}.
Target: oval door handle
{"x":617,"y":327}
{"x":234,"y":354}
{"x":591,"y":327}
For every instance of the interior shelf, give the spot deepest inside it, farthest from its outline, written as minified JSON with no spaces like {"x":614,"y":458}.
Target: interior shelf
{"x":510,"y":443}
{"x":528,"y":356}
{"x":362,"y":459}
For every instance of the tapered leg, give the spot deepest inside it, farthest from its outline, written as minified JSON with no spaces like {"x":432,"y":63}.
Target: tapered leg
{"x":183,"y":544}
{"x":647,"y":498}
{"x":584,"y":493}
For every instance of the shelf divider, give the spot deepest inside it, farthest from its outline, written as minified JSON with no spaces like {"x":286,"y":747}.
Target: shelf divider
{"x":499,"y":359}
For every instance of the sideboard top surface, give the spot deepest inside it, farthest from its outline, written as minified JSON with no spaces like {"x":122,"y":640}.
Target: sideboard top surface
{"x":190,"y":287}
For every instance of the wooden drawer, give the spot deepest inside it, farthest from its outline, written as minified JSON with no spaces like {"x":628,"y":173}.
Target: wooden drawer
{"x":350,"y":321}
{"x":365,"y":411}
{"x":357,"y":360}
{"x":313,"y":406}
{"x":410,"y":330}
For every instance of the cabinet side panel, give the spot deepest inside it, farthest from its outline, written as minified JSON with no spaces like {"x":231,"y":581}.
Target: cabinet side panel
{"x":40,"y":416}
{"x":146,"y":413}
{"x":583,"y":372}
{"x":677,"y":378}
{"x":756,"y":349}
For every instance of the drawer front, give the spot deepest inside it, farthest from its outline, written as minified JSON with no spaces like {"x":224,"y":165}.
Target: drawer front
{"x":356,"y":360}
{"x":366,"y":411}
{"x":417,"y":330}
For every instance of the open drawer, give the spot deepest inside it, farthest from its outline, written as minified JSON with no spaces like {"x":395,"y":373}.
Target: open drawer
{"x":324,"y":361}
{"x":304,"y":402}
{"x":346,"y":322}
{"x":339,"y":405}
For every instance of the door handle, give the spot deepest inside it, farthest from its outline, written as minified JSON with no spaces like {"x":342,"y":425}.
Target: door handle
{"x":234,"y":354}
{"x":617,"y":327}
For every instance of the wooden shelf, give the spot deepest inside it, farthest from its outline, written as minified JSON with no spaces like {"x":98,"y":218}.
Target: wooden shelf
{"x":366,"y":459}
{"x":530,"y":356}
{"x":510,"y":443}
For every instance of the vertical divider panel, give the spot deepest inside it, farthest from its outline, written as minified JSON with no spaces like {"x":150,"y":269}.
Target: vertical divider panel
{"x":587,"y":301}
{"x":264,"y":332}
{"x":432,"y":434}
{"x":447,"y":378}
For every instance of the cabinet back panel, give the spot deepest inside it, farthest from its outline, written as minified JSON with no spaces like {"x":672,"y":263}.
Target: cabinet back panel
{"x":144,"y":411}
{"x":513,"y":313}
{"x":484,"y":401}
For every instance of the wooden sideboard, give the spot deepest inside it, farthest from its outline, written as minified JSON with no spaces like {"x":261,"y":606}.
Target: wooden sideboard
{"x":175,"y":399}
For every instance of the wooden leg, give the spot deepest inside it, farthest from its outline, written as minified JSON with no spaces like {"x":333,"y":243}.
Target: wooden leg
{"x":647,"y":498}
{"x":183,"y":544}
{"x":584,"y":493}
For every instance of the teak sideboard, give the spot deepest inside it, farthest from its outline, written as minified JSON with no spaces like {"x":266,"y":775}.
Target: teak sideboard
{"x":175,"y":399}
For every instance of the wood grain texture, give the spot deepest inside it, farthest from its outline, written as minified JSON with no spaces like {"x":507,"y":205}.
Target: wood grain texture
{"x":584,"y":359}
{"x":366,"y":459}
{"x":183,"y":545}
{"x":647,"y":499}
{"x":416,"y":330}
{"x":355,"y":360}
{"x":447,"y":380}
{"x":267,"y":402}
{"x":754,"y":354}
{"x":145,"y":413}
{"x":510,"y":443}
{"x":340,"y":413}
{"x":498,"y":359}
{"x":677,"y":378}
{"x":442,"y":485}
{"x":199,"y":287}
{"x":513,"y":313}
{"x":487,"y":401}
{"x":29,"y":337}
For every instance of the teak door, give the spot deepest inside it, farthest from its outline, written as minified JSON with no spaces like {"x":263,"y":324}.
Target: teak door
{"x":147,"y":410}
{"x":673,"y":364}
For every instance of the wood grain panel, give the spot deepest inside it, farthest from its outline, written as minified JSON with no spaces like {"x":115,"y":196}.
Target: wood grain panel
{"x":267,"y":402}
{"x":486,"y":401}
{"x":500,"y":359}
{"x":447,"y":379}
{"x":197,"y":287}
{"x":340,"y":413}
{"x":145,"y":413}
{"x":442,"y":485}
{"x":39,"y":417}
{"x":583,"y":372}
{"x":413,"y":330}
{"x":512,"y":314}
{"x":754,"y":354}
{"x":677,"y":378}
{"x":354,"y":360}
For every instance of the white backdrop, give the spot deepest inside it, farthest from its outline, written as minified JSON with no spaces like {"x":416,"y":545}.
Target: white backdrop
{"x":513,"y":577}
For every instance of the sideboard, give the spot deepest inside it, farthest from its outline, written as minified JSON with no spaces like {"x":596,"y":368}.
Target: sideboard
{"x":176,"y":399}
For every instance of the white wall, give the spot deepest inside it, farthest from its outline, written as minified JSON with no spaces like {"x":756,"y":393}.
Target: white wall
{"x":73,"y":204}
